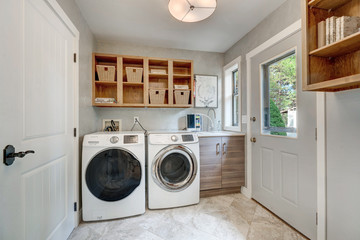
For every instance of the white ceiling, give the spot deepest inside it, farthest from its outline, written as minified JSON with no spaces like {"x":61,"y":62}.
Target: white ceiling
{"x":148,"y":22}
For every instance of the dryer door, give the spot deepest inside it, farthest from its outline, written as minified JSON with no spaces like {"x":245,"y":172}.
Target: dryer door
{"x":113,"y":174}
{"x":174,"y":168}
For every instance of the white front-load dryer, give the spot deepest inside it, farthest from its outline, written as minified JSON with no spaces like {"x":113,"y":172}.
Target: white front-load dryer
{"x":113,"y":175}
{"x":173,"y":169}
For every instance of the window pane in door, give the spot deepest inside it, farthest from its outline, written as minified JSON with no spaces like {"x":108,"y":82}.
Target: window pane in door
{"x":279,"y":96}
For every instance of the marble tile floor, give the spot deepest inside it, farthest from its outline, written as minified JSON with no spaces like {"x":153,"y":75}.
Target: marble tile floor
{"x":225,"y":217}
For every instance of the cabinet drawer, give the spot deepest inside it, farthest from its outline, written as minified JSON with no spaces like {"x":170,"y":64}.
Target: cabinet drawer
{"x":210,"y":176}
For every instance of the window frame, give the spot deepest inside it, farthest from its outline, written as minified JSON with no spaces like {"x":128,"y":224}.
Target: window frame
{"x":262,"y":78}
{"x":228,"y":95}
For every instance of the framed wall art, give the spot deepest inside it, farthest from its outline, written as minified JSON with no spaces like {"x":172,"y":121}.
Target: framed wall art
{"x":206,"y":91}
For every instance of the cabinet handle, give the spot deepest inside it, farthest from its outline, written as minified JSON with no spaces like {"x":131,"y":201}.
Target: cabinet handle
{"x":224,"y":152}
{"x":217,"y":148}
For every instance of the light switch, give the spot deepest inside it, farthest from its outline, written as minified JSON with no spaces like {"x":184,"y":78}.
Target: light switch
{"x":244,"y":119}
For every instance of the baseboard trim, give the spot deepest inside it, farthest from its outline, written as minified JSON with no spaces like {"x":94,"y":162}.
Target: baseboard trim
{"x":220,"y":191}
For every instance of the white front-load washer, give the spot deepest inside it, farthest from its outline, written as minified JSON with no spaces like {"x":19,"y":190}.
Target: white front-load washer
{"x":173,"y":169}
{"x":113,"y":175}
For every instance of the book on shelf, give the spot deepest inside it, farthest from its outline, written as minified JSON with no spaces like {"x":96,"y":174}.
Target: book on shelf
{"x":332,"y":29}
{"x":349,"y":26}
{"x":337,"y":28}
{"x":327,"y":31}
{"x":321,"y":34}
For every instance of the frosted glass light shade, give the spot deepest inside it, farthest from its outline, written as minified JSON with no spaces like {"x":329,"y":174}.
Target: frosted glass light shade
{"x":192,"y":10}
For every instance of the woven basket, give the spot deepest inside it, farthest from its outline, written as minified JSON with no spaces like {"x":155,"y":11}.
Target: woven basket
{"x":182,"y":96}
{"x":157,"y":96}
{"x":106,"y":73}
{"x":134,"y":74}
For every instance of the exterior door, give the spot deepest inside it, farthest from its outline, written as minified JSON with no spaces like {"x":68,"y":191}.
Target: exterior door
{"x":37,"y":113}
{"x":284,"y":151}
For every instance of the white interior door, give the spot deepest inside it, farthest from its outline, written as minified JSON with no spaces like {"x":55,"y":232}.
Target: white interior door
{"x":284,"y":154}
{"x":36,"y":113}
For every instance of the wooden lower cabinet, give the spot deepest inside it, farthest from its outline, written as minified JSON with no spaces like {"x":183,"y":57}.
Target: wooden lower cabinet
{"x":222,"y":165}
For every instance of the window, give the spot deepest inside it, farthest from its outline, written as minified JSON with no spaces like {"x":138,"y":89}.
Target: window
{"x":279,"y":96}
{"x":235,"y":97}
{"x":232,"y":96}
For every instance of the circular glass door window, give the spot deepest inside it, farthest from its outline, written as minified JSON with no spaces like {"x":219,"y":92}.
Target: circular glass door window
{"x":174,"y":168}
{"x":113,"y":174}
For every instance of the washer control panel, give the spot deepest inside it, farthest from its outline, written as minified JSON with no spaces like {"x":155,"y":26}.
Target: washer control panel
{"x":130,"y":139}
{"x":114,"y":140}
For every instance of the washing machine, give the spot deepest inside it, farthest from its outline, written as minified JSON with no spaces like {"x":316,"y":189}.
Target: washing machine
{"x":113,"y":175}
{"x":173,"y":169}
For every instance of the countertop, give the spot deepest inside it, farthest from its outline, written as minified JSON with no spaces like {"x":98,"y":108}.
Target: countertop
{"x":219,"y":134}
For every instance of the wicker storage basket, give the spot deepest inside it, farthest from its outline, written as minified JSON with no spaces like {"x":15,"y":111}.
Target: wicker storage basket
{"x":182,"y":96}
{"x":157,"y":96}
{"x":106,"y":73}
{"x":134,"y":74}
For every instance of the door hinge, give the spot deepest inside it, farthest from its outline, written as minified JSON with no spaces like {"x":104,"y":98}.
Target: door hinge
{"x":74,"y":132}
{"x":74,"y":57}
{"x":316,"y":219}
{"x":75,"y":206}
{"x":315,"y":134}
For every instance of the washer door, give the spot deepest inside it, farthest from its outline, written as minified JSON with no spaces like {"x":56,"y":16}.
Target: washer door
{"x":113,"y":174}
{"x":174,"y":168}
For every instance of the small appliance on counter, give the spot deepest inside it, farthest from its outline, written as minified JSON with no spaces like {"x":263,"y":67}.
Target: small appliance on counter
{"x":194,"y":122}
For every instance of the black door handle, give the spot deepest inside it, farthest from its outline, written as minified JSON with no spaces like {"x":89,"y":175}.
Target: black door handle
{"x":10,"y":154}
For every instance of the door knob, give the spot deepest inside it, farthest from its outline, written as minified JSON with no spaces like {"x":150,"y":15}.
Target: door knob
{"x":253,"y":119}
{"x":253,"y":140}
{"x":10,"y":154}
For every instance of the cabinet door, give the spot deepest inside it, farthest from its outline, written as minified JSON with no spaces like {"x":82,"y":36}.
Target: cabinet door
{"x":210,"y":163}
{"x":233,"y":162}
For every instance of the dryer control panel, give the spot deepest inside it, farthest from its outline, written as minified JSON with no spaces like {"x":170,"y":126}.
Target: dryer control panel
{"x":172,"y":138}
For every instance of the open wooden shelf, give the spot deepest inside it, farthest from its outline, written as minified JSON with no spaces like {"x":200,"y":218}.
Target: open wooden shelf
{"x":158,"y":75}
{"x":136,"y":94}
{"x":158,"y":89}
{"x":105,"y":104}
{"x":328,"y":4}
{"x":182,"y":75}
{"x":133,"y":84}
{"x":336,"y":66}
{"x":342,"y":47}
{"x":335,"y":85}
{"x":105,"y":83}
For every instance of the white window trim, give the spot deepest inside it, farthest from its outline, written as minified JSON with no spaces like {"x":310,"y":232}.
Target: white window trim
{"x":227,"y":107}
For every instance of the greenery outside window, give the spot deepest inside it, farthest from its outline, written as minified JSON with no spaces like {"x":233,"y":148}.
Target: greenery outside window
{"x":279,"y":108}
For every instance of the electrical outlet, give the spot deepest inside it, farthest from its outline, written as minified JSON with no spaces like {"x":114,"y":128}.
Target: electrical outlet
{"x":136,"y":119}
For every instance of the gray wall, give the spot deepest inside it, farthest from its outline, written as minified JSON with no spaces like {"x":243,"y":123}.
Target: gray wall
{"x":155,"y":118}
{"x":284,"y":16}
{"x":87,"y":113}
{"x":343,"y":165}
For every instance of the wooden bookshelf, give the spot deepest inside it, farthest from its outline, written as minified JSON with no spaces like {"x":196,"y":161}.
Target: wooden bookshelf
{"x":334,"y":67}
{"x":158,"y":74}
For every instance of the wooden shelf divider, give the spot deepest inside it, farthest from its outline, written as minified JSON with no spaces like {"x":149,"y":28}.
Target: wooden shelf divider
{"x":342,"y":47}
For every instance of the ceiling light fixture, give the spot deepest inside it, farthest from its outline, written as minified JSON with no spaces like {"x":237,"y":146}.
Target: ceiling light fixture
{"x":191,"y":10}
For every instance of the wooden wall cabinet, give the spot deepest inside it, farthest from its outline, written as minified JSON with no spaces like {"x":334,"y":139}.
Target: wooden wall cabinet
{"x":222,"y":165}
{"x":158,"y":74}
{"x":334,"y":67}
